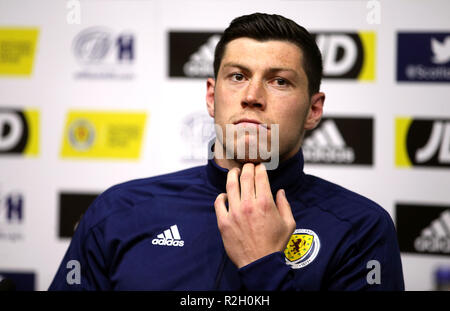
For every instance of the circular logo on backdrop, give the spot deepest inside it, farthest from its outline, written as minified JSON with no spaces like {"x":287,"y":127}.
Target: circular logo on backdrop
{"x":81,"y":134}
{"x":92,"y":44}
{"x":302,"y":248}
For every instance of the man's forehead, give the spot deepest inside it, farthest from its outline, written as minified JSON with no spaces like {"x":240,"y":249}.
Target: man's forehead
{"x":270,"y":53}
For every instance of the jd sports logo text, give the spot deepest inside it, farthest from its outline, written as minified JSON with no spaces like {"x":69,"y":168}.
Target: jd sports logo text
{"x":345,"y":55}
{"x":18,"y":132}
{"x":423,"y":229}
{"x":340,"y":141}
{"x":422,"y":142}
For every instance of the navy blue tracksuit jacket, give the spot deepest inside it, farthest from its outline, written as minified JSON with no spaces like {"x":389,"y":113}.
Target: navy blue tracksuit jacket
{"x":160,"y":233}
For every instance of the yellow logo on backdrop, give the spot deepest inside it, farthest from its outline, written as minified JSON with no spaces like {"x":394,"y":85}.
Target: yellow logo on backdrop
{"x":17,"y":50}
{"x":402,"y":126}
{"x":32,"y":147}
{"x":94,"y":134}
{"x":368,"y":40}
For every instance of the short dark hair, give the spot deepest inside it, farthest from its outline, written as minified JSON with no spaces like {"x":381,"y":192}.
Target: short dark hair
{"x":264,"y":27}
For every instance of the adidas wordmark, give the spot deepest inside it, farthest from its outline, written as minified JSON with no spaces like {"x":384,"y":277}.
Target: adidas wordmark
{"x":170,"y":237}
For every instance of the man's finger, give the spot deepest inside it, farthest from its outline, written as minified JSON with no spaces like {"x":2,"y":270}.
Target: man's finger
{"x":233,"y":191}
{"x":220,"y":207}
{"x":284,"y":208}
{"x":248,"y":182}
{"x":262,"y":184}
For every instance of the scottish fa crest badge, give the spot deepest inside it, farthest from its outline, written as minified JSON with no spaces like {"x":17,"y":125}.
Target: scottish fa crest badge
{"x":302,"y":248}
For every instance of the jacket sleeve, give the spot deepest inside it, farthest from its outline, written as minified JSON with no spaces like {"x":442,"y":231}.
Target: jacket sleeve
{"x":268,"y":273}
{"x":369,"y":261}
{"x":83,"y":266}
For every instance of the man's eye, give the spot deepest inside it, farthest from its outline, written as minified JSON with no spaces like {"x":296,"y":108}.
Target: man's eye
{"x":281,"y":81}
{"x":237,"y":77}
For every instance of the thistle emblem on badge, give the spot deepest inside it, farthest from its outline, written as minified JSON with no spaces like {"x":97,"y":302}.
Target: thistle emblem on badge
{"x":302,"y":248}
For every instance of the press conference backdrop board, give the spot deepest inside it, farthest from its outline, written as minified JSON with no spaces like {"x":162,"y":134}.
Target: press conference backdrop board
{"x":94,"y":93}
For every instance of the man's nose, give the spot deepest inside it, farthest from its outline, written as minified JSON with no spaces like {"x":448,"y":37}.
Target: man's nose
{"x":254,"y":96}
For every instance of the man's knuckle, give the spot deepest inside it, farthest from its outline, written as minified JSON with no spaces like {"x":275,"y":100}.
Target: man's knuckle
{"x":263,"y":201}
{"x":246,"y":206}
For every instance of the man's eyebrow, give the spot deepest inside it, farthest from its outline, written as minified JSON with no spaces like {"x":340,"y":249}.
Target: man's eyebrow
{"x":237,"y":66}
{"x":278,"y":69}
{"x":271,"y":70}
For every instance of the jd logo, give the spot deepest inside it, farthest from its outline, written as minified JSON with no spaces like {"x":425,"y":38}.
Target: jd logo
{"x":13,"y":132}
{"x":438,"y":144}
{"x":423,"y":142}
{"x":347,"y":55}
{"x":18,"y":131}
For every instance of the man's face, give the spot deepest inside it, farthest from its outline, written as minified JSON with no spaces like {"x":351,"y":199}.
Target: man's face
{"x":262,"y":82}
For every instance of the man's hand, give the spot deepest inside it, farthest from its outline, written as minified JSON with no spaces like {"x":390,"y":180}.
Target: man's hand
{"x":254,"y":226}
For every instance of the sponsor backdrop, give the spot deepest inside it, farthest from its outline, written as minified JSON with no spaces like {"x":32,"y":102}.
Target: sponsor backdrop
{"x":94,"y":93}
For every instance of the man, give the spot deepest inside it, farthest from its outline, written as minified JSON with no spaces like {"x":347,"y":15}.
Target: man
{"x":233,"y":224}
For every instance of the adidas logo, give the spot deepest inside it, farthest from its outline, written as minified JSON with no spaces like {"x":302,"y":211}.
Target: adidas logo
{"x":200,"y":63}
{"x":326,"y":144}
{"x":170,"y":237}
{"x":436,"y":237}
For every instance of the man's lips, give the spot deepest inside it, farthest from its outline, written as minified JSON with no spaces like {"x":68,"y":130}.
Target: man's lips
{"x":250,"y":122}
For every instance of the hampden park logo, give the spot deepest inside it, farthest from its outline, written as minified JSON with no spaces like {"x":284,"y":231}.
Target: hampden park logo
{"x":17,"y":50}
{"x":340,"y":140}
{"x":103,"y":134}
{"x":12,"y":215}
{"x":423,"y":57}
{"x":346,"y":55}
{"x":103,"y":54}
{"x":423,"y":229}
{"x":422,"y":142}
{"x":19,"y":132}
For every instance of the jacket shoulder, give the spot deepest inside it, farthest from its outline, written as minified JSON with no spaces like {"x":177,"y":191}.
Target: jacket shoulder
{"x":122,"y":197}
{"x":344,"y":204}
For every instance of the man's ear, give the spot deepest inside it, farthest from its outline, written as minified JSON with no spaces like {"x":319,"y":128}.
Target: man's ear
{"x":210,"y":83}
{"x":315,"y":111}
